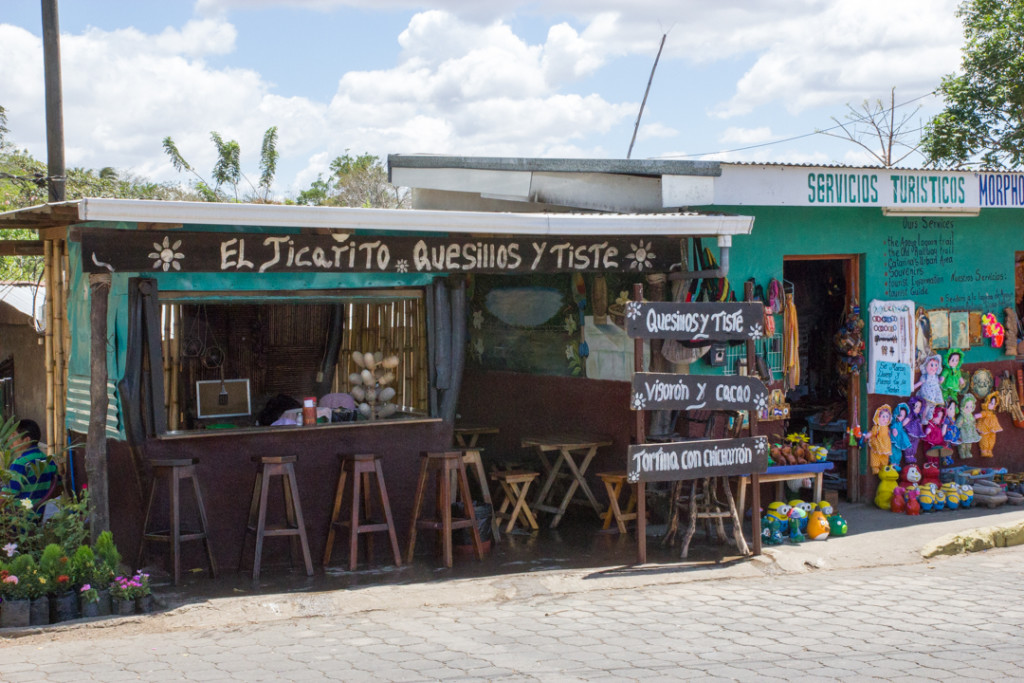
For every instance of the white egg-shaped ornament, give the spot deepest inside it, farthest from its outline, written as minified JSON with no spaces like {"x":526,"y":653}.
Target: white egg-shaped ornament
{"x":387,"y":378}
{"x":369,"y":361}
{"x":391,"y":362}
{"x":371,"y":396}
{"x":378,"y":356}
{"x":387,"y":410}
{"x":386,"y":394}
{"x":357,"y":358}
{"x":368,"y":378}
{"x":355,"y":378}
{"x":364,"y":409}
{"x":358,"y":393}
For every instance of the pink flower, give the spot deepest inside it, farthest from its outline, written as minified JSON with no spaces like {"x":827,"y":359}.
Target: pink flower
{"x":11,"y":579}
{"x":85,"y":587}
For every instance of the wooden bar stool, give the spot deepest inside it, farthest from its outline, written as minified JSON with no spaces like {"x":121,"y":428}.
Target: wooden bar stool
{"x":613,"y":483}
{"x":365,"y":469}
{"x":175,"y":471}
{"x":474,"y":463}
{"x":443,"y":465}
{"x":275,"y":466}
{"x":515,"y":484}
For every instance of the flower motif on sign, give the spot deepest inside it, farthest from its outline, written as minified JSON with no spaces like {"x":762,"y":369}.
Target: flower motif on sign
{"x":478,"y":319}
{"x":10,"y":549}
{"x":755,"y":331}
{"x":639,"y":402}
{"x":569,"y":324}
{"x":762,"y":446}
{"x":166,"y":255}
{"x":761,"y":400}
{"x":641,"y":255}
{"x":633,"y":310}
{"x":478,"y":348}
{"x":570,"y":352}
{"x":633,"y":477}
{"x":402,"y":265}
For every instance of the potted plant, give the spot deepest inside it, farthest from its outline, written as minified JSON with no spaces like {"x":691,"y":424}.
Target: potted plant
{"x":107,"y":561}
{"x":122,"y":596}
{"x":37,"y":589}
{"x":84,"y":575}
{"x":144,"y":600}
{"x":14,"y":609}
{"x":56,"y":568}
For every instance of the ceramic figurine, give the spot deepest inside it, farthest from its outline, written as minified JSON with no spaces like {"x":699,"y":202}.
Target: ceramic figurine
{"x":965,"y":422}
{"x":988,"y":425}
{"x":913,"y":506}
{"x":779,"y":511}
{"x":952,"y":493}
{"x":899,"y":500}
{"x":771,"y":530}
{"x":966,"y":495}
{"x":952,"y":378}
{"x":926,"y":498}
{"x":930,"y":472}
{"x":887,"y":477}
{"x":880,"y":443}
{"x":795,"y":535}
{"x":914,"y":428}
{"x":825,"y":507}
{"x":817,"y":526}
{"x":928,"y":387}
{"x":910,"y":475}
{"x":799,"y":513}
{"x":837,"y":525}
{"x":940,"y":500}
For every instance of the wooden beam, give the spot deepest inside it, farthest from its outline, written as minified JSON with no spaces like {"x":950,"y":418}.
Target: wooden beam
{"x":21,"y":247}
{"x":96,"y":439}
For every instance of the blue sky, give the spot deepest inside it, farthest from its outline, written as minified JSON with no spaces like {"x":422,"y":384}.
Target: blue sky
{"x":563,"y":78}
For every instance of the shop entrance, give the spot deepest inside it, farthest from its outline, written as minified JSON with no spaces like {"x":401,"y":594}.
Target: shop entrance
{"x":825,"y":400}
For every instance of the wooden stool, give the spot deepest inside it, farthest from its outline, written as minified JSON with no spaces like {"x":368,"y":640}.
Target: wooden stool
{"x":175,"y":471}
{"x":704,"y":503}
{"x":613,"y":483}
{"x":282,"y":466}
{"x":475,"y":464}
{"x":443,"y":465}
{"x":515,"y":485}
{"x":362,"y":467}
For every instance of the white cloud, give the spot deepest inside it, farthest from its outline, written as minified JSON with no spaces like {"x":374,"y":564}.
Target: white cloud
{"x":745,"y":136}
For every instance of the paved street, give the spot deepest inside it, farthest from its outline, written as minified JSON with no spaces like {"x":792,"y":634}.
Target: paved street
{"x":949,"y":618}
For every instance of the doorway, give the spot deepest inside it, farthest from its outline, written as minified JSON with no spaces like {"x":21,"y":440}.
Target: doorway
{"x":826,"y":400}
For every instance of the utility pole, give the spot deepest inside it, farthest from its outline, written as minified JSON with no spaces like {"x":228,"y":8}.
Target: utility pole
{"x":55,"y":171}
{"x":646,"y":93}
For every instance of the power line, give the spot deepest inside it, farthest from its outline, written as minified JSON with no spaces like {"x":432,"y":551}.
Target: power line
{"x":795,"y":137}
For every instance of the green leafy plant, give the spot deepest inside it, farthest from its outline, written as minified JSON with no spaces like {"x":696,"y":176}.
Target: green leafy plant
{"x":130,"y":588}
{"x":68,"y":526}
{"x":83,"y":566}
{"x":16,"y":576}
{"x":55,"y":567}
{"x":108,"y":559}
{"x":89,"y":594}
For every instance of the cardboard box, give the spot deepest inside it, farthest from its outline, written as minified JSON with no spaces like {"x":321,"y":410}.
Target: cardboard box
{"x":832,"y":497}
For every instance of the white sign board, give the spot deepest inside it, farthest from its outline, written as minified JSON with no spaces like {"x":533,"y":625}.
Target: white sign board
{"x":891,"y":327}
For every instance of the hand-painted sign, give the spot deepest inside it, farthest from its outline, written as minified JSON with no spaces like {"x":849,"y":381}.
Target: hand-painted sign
{"x":697,"y":459}
{"x":147,"y":251}
{"x":706,"y":321}
{"x":667,"y":391}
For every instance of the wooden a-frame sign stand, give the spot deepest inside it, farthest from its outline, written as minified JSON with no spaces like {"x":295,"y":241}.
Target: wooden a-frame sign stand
{"x":711,"y":321}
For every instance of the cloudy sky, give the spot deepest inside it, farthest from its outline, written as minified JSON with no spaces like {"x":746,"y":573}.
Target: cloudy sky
{"x":561,"y":78}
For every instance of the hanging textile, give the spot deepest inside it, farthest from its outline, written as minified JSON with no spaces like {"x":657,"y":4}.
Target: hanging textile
{"x":790,"y":344}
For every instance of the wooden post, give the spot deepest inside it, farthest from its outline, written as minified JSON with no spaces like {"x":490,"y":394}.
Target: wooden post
{"x":96,"y":439}
{"x":755,"y":483}
{"x":55,"y":172}
{"x":641,"y":437}
{"x":58,"y":316}
{"x":48,"y":343}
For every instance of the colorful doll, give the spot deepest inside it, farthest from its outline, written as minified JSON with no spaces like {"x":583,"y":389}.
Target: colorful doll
{"x":899,"y":500}
{"x":837,"y":525}
{"x":952,"y":379}
{"x":988,"y":425}
{"x":817,"y":526}
{"x":935,"y":430}
{"x":965,"y":422}
{"x":929,"y":389}
{"x":910,"y":476}
{"x":930,"y":471}
{"x":914,"y":428}
{"x":953,"y":436}
{"x":879,"y":443}
{"x":913,"y":507}
{"x":898,"y":432}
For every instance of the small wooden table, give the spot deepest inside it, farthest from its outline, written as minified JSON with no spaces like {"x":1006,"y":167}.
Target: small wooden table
{"x":785,"y":473}
{"x":467,"y":435}
{"x":570,"y":447}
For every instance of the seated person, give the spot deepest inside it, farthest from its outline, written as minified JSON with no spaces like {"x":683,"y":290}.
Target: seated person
{"x":33,"y":472}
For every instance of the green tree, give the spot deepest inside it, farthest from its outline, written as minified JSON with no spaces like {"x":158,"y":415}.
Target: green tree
{"x":355,"y":181}
{"x":983,"y":120}
{"x":227,"y":170}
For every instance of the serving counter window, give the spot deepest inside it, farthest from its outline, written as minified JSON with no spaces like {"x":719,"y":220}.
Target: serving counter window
{"x":248,"y":362}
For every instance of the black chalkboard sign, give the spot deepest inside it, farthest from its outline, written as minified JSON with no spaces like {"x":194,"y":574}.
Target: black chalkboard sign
{"x":668,"y":391}
{"x":105,"y":250}
{"x":705,"y":321}
{"x":697,"y":459}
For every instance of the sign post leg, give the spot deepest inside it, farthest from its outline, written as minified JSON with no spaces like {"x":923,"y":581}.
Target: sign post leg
{"x":641,"y":437}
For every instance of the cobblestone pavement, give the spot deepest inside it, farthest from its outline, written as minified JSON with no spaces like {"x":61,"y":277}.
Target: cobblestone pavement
{"x":957,"y":617}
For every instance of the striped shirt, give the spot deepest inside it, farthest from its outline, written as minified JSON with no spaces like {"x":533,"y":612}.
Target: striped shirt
{"x":33,"y":475}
